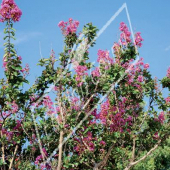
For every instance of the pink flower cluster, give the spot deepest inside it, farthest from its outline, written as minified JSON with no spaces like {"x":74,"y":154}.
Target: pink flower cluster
{"x":102,"y":143}
{"x":146,"y":66}
{"x":33,"y":139}
{"x":115,"y":117}
{"x":69,"y":27}
{"x":167,"y":100}
{"x":116,"y":47}
{"x":14,"y":107}
{"x":26,"y":70}
{"x":18,"y":126}
{"x":9,"y":10}
{"x":75,"y":103}
{"x":135,"y":72}
{"x":168,"y":73}
{"x":81,"y":71}
{"x":138,"y":39}
{"x":156,"y":136}
{"x":40,"y":157}
{"x":52,"y":56}
{"x":125,"y":35}
{"x":96,"y":72}
{"x":85,"y":143}
{"x":5,"y":63}
{"x":9,"y":134}
{"x":103,"y":115}
{"x":161,"y":118}
{"x":45,"y":166}
{"x":103,"y":57}
{"x":33,"y":98}
{"x":140,"y":78}
{"x":47,"y":102}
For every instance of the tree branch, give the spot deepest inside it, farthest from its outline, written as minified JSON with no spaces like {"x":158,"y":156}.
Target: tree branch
{"x":60,"y":151}
{"x":12,"y":160}
{"x":145,"y":156}
{"x":100,"y":165}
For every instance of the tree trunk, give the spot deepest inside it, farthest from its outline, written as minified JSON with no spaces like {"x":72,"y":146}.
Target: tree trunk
{"x":60,"y":151}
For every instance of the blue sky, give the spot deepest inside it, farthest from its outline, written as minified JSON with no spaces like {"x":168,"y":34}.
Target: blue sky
{"x":40,"y":18}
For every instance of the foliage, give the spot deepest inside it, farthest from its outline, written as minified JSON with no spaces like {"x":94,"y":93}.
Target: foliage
{"x":159,"y":160}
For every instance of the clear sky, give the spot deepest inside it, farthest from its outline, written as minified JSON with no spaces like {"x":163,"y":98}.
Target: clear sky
{"x":38,"y":25}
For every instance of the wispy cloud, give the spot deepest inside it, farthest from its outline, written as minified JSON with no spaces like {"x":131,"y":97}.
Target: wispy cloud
{"x":24,"y":37}
{"x":21,"y":37}
{"x":167,"y":49}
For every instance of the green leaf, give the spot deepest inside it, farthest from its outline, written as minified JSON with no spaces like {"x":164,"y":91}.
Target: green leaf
{"x":6,"y":37}
{"x":12,"y":33}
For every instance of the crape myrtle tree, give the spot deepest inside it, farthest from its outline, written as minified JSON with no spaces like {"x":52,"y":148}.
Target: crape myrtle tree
{"x":98,"y":120}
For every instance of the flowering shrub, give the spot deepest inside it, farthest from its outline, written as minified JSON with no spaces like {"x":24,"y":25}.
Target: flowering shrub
{"x":98,"y":119}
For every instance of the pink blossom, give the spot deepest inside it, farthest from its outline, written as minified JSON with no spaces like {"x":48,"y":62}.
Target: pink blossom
{"x":96,"y":72}
{"x":61,"y":24}
{"x":25,"y":70}
{"x":80,"y":84}
{"x":140,"y":78}
{"x":18,"y":125}
{"x":102,"y":150}
{"x":5,"y":63}
{"x":168,"y":73}
{"x":146,"y":66}
{"x":81,"y":71}
{"x":167,"y":100}
{"x":85,"y":143}
{"x":47,"y":102}
{"x":94,"y":113}
{"x":40,"y":157}
{"x":68,"y":27}
{"x":10,"y":2}
{"x":104,"y":112}
{"x":125,"y":35}
{"x":103,"y":57}
{"x":123,"y":26}
{"x":161,"y":117}
{"x":44,"y":151}
{"x":67,"y":126}
{"x":45,"y":166}
{"x":102,"y":143}
{"x":75,"y":104}
{"x":75,"y":99}
{"x":91,"y":146}
{"x":14,"y":107}
{"x":116,"y":47}
{"x":124,"y":99}
{"x":9,"y":10}
{"x":138,"y":39}
{"x":19,"y":57}
{"x":56,"y":88}
{"x":33,"y":149}
{"x":33,"y":136}
{"x":52,"y":56}
{"x":156,"y":136}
